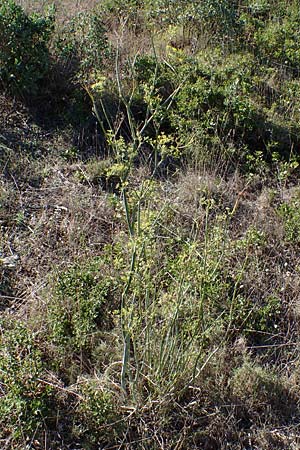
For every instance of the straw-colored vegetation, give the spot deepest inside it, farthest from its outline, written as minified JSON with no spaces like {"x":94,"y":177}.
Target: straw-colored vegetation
{"x":149,"y":213}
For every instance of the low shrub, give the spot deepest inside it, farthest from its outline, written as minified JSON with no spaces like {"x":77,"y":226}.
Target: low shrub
{"x":25,"y":399}
{"x":77,"y":309}
{"x":97,"y":417}
{"x":260,"y":388}
{"x":290,"y":214}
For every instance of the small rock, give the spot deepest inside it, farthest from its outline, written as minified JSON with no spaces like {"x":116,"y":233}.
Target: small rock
{"x":9,"y":261}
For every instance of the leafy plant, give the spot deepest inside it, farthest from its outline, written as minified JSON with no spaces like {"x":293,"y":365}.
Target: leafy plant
{"x":97,"y":414}
{"x":290,"y":214}
{"x":25,"y":399}
{"x":77,"y":309}
{"x":279,"y":41}
{"x":24,"y":53}
{"x":257,"y":386}
{"x":84,"y":41}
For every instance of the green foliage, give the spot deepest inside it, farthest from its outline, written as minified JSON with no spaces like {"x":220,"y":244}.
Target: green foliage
{"x":77,"y":309}
{"x":157,"y":335}
{"x":199,"y":17}
{"x":290,"y":213}
{"x":82,"y":46}
{"x":97,"y":406}
{"x":185,"y":107}
{"x":273,"y":31}
{"x":24,"y":54}
{"x":217,"y":99}
{"x":257,"y":386}
{"x":201,"y":103}
{"x":280,"y":42}
{"x":215,"y":102}
{"x":25,"y":398}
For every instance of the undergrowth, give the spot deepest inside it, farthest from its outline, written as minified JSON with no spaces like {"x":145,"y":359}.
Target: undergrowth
{"x":149,"y":214}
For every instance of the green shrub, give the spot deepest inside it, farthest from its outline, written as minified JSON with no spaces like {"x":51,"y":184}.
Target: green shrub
{"x":214,"y":105}
{"x":215,"y":17}
{"x":24,"y":399}
{"x":272,"y":30}
{"x":279,"y":42}
{"x":259,"y":388}
{"x":82,"y":45}
{"x":96,"y":411}
{"x":290,"y":213}
{"x":24,"y":54}
{"x":76,"y":310}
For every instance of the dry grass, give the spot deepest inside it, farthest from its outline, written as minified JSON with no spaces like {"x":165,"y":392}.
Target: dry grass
{"x":54,"y":213}
{"x":55,"y":224}
{"x":66,"y":9}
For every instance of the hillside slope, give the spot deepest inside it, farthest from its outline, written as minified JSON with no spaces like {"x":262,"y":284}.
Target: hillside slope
{"x":150,"y":226}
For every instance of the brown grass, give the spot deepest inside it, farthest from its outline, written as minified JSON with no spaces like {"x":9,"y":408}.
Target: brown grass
{"x":66,"y":9}
{"x":54,"y":212}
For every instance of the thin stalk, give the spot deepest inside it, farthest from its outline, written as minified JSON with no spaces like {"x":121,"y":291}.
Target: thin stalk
{"x":127,"y":214}
{"x":234,"y":295}
{"x":202,"y":290}
{"x":125,"y":329}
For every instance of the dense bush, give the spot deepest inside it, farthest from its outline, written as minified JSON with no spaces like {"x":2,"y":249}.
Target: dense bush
{"x":279,"y":41}
{"x":183,"y":105}
{"x":24,"y":54}
{"x":82,"y":42}
{"x":77,"y":308}
{"x":217,"y":18}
